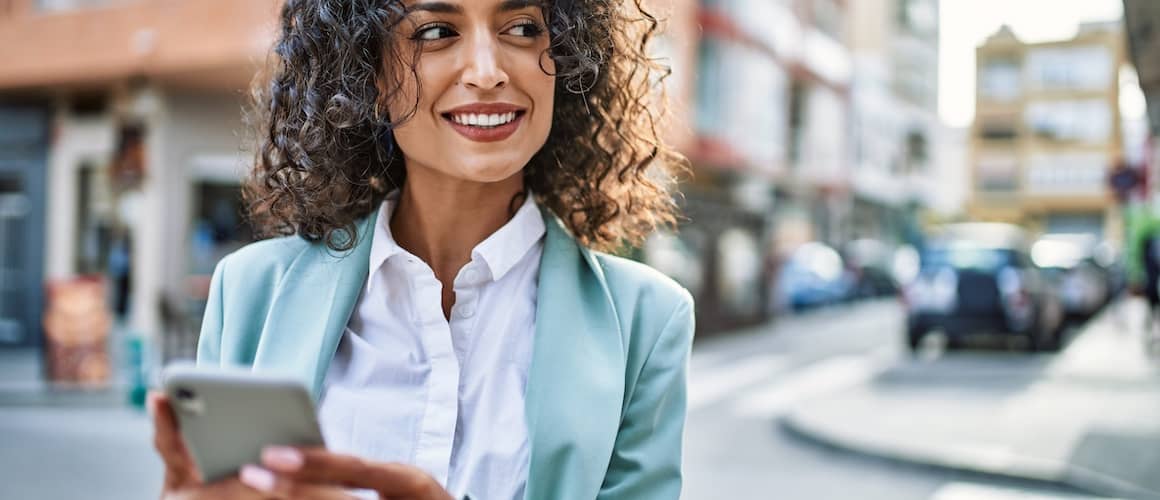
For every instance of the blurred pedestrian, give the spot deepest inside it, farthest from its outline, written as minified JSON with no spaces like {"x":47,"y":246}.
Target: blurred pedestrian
{"x":1150,"y":256}
{"x":443,"y":176}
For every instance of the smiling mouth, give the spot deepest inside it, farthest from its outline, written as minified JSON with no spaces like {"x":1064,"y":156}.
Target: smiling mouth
{"x":483,"y":120}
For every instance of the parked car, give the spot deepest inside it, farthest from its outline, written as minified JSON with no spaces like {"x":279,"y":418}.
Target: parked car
{"x":1070,"y":264}
{"x":978,"y":278}
{"x":871,"y":262}
{"x":813,"y":275}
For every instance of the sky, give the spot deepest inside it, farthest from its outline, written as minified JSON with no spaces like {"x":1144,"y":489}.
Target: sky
{"x":964,"y":24}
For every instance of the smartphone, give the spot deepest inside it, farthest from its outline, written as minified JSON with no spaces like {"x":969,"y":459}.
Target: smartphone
{"x":228,"y":415}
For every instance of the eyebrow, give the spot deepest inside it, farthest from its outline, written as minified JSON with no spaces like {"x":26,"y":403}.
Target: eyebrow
{"x":450,"y":8}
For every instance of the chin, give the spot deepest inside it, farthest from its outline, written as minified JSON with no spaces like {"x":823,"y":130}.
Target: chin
{"x":491,"y":176}
{"x":490,"y":172}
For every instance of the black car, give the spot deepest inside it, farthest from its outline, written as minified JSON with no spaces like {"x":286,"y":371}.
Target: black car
{"x":979,"y":279}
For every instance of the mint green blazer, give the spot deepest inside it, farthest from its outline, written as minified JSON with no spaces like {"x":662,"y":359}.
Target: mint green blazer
{"x":605,"y":400}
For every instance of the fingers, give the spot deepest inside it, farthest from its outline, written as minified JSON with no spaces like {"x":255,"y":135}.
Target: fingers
{"x":179,"y":468}
{"x":278,"y":487}
{"x":318,"y":466}
{"x":226,"y":489}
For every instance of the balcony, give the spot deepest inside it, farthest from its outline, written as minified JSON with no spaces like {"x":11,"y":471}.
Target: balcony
{"x":201,"y":43}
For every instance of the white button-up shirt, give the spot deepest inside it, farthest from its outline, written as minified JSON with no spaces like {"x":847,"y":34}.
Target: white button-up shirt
{"x":407,"y":385}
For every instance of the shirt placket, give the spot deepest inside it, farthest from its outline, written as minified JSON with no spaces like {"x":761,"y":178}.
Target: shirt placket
{"x":437,"y":430}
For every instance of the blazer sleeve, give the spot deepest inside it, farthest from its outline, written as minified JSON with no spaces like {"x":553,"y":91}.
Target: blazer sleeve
{"x":209,"y":341}
{"x":646,"y":460}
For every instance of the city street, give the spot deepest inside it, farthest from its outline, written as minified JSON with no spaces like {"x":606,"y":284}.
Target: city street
{"x":741,"y":385}
{"x":848,"y":191}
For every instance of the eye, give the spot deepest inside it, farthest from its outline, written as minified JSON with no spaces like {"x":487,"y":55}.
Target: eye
{"x":433,"y":32}
{"x":527,"y":29}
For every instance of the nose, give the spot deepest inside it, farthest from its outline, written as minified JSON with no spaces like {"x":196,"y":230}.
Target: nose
{"x":484,"y":68}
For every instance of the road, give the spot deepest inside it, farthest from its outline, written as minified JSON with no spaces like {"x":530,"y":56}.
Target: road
{"x":740,"y":383}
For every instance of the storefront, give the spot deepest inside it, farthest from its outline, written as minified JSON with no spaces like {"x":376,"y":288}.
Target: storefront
{"x":23,"y":154}
{"x":145,"y":194}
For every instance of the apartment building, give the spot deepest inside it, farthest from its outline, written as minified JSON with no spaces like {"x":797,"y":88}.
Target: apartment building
{"x":1047,"y":131}
{"x":760,"y":94}
{"x":901,"y":159}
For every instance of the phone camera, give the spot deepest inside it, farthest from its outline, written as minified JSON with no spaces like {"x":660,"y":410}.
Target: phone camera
{"x":185,"y":400}
{"x":185,"y":394}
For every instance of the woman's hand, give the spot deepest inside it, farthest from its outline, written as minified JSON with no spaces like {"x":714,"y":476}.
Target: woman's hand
{"x":182,"y":479}
{"x":316,"y":474}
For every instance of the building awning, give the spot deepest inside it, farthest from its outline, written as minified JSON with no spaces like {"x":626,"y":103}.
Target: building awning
{"x":1142,"y":23}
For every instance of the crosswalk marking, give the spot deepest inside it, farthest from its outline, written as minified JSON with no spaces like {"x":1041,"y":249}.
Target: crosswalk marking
{"x":813,"y":380}
{"x":973,"y":491}
{"x":707,"y":386}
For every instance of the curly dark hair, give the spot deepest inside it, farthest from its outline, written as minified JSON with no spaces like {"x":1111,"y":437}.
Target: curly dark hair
{"x":326,"y":157}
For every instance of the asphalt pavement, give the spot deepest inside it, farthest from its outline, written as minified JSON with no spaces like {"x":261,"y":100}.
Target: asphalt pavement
{"x":1088,"y":417}
{"x":742,"y":385}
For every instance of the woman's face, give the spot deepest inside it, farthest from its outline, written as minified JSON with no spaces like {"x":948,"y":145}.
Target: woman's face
{"x":484,"y":87}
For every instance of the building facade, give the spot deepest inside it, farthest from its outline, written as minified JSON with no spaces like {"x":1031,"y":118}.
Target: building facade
{"x":135,"y":117}
{"x":899,"y":162}
{"x":760,"y":94}
{"x":1047,"y":131}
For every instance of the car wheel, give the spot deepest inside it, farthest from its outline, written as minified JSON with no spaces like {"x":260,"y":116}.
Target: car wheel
{"x":955,"y":343}
{"x":1049,"y":340}
{"x":1032,"y":344}
{"x":914,"y":339}
{"x":1042,"y":338}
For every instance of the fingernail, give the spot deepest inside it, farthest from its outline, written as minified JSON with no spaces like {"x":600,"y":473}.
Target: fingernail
{"x":282,"y":457}
{"x":151,"y":404}
{"x":257,"y":478}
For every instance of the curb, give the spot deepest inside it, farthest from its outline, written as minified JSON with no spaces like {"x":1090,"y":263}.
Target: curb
{"x":1006,"y":467}
{"x":47,"y":396}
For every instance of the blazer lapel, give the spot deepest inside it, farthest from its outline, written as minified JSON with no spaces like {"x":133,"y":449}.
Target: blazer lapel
{"x":311,"y":308}
{"x":575,"y":384}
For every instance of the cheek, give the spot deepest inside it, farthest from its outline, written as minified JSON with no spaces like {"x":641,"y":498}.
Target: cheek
{"x":541,"y":87}
{"x":407,"y":99}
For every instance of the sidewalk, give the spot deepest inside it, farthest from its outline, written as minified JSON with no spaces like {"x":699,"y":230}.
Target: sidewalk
{"x":1087,"y":418}
{"x":75,"y":452}
{"x":71,"y":443}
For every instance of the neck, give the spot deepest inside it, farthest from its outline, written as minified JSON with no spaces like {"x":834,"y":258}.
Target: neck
{"x":441,"y":220}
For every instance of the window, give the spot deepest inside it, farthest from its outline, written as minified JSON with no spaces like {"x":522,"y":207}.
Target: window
{"x":756,"y":108}
{"x":995,"y":172}
{"x":1067,"y":174}
{"x":218,"y":227}
{"x":918,"y":16}
{"x":1088,"y":121}
{"x":1069,"y":68}
{"x":709,"y":83}
{"x":998,"y":128}
{"x":917,"y":153}
{"x":999,"y":79}
{"x":797,"y":105}
{"x":15,"y":207}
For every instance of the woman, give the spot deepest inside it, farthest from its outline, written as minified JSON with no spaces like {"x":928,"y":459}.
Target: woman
{"x":444,"y":173}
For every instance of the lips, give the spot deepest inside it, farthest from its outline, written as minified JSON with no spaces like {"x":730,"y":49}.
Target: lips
{"x":485,"y":122}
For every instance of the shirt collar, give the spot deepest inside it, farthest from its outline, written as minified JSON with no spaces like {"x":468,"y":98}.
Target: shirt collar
{"x":500,"y":252}
{"x":383,"y":244}
{"x":507,"y":246}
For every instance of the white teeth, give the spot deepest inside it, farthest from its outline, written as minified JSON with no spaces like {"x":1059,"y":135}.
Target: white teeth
{"x":483,"y":120}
